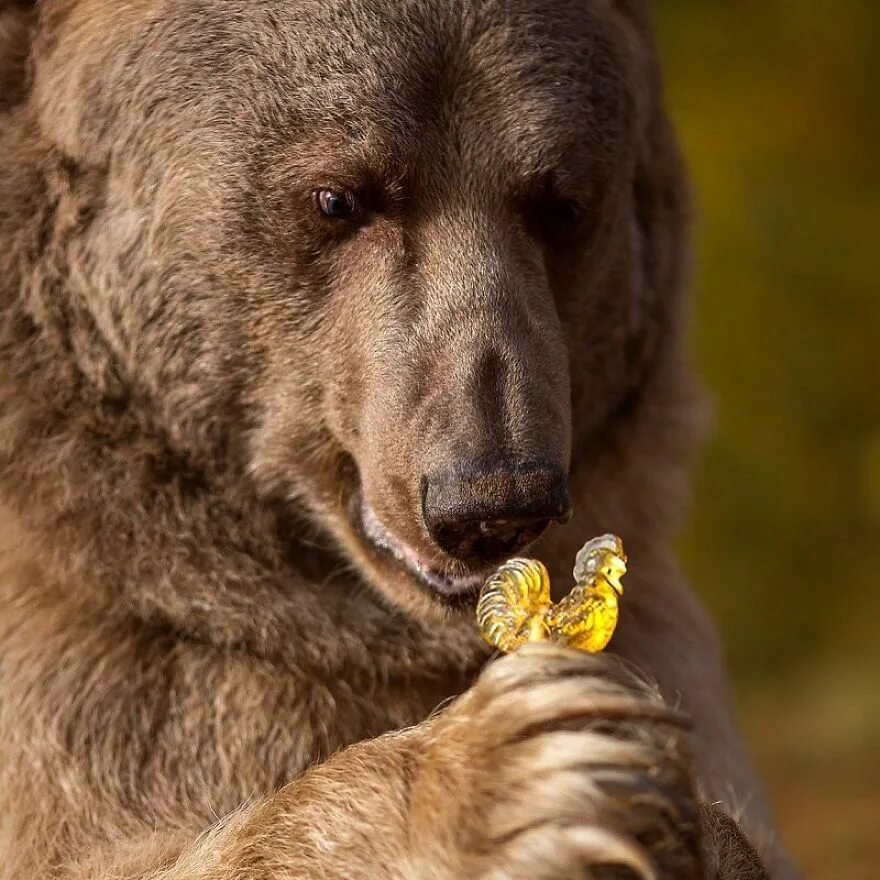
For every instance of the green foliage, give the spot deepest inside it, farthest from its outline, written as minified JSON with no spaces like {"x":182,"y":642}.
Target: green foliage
{"x":777,"y":106}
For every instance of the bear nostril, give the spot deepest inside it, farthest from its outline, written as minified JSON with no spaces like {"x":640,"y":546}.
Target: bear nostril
{"x":486,"y":516}
{"x":500,"y":539}
{"x":500,"y":529}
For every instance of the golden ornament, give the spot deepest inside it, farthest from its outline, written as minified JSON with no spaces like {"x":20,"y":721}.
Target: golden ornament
{"x":515,"y":605}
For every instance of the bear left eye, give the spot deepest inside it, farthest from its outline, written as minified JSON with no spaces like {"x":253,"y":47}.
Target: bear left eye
{"x":553,"y":216}
{"x":336,"y":204}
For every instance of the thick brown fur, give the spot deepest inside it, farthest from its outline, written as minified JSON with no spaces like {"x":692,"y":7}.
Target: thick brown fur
{"x":206,"y":670}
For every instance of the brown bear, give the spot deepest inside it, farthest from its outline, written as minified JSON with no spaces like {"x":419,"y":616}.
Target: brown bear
{"x":313,"y":312}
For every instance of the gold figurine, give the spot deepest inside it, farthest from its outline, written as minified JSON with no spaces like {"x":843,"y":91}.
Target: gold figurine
{"x":515,"y":606}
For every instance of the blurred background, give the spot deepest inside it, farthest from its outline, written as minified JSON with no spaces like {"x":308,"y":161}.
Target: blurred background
{"x":778,"y":108}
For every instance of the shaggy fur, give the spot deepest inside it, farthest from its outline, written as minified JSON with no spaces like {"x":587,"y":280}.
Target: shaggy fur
{"x":207,"y":669}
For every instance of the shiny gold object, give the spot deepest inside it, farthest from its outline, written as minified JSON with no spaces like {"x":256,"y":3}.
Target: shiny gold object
{"x":515,"y":606}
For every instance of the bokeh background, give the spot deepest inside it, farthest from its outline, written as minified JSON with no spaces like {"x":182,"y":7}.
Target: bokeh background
{"x":778,"y":108}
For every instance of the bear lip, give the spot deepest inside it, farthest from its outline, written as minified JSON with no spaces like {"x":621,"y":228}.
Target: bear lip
{"x":383,"y":539}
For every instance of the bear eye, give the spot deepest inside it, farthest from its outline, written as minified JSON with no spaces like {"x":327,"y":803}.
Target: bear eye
{"x":553,"y":217}
{"x":562,"y":212}
{"x":336,"y":204}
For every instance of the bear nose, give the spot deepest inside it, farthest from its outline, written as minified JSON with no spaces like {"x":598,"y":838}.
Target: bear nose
{"x":487,"y":514}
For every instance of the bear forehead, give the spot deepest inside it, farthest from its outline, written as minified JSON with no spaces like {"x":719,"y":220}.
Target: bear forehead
{"x":326,"y":52}
{"x":533,"y":80}
{"x":522,"y":71}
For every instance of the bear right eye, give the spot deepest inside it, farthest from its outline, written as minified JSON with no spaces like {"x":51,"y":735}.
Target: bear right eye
{"x":336,"y":204}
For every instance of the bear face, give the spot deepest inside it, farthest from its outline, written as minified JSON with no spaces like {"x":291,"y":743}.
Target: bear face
{"x":338,"y":248}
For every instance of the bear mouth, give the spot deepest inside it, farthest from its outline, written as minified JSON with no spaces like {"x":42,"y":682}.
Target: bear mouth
{"x":444,"y":582}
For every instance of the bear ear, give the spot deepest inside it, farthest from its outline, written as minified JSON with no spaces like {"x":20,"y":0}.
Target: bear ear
{"x":17,"y":23}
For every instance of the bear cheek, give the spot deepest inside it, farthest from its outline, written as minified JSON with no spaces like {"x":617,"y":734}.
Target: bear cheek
{"x":344,"y":369}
